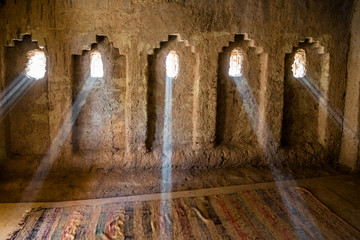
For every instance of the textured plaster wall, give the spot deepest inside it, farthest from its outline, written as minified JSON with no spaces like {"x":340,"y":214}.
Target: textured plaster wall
{"x":136,"y":28}
{"x":350,"y":140}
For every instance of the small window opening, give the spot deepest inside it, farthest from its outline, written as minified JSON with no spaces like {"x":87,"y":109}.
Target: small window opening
{"x":236,"y":61}
{"x":299,"y":65}
{"x":36,"y":65}
{"x":96,"y":67}
{"x":172,"y":64}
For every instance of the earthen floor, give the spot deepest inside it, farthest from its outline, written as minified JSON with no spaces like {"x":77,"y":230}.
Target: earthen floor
{"x":339,"y":191}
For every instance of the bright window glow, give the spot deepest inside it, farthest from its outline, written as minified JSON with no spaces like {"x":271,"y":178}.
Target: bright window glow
{"x":236,"y":59}
{"x":172,"y":64}
{"x":299,"y":65}
{"x":36,"y":65}
{"x":96,"y":67}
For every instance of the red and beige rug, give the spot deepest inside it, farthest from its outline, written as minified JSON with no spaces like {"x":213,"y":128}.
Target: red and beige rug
{"x":292,"y":213}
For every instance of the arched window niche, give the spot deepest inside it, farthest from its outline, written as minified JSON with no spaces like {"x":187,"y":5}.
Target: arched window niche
{"x":298,"y":67}
{"x":305,"y":86}
{"x":236,"y":63}
{"x":172,"y":60}
{"x":238,"y":89}
{"x":99,"y":89}
{"x":25,"y":72}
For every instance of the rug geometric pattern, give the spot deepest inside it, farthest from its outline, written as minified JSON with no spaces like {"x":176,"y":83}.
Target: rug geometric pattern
{"x":292,"y":213}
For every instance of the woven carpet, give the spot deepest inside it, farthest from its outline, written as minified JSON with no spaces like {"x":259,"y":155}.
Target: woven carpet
{"x":292,"y":213}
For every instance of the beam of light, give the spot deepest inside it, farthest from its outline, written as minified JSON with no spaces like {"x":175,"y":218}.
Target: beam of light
{"x":166,"y":171}
{"x":252,"y":108}
{"x":36,"y":65}
{"x":335,"y":114}
{"x":249,"y":100}
{"x":96,"y":65}
{"x":13,"y":93}
{"x":48,"y":160}
{"x":12,"y":85}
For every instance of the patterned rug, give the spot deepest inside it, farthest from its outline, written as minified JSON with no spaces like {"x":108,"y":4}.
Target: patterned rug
{"x":292,"y":213}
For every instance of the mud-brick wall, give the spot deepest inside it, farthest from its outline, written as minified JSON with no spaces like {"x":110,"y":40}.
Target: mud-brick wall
{"x":139,"y":32}
{"x":350,"y":153}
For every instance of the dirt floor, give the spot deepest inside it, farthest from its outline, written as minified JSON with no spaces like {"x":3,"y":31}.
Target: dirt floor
{"x":340,"y":192}
{"x":103,"y":184}
{"x":336,"y":189}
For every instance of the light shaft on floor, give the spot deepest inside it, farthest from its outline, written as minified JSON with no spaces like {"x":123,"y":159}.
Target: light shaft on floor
{"x":252,"y":108}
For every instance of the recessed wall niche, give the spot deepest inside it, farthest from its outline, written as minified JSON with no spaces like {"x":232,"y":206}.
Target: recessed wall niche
{"x":99,"y":102}
{"x":239,"y":74}
{"x":304,"y":118}
{"x":24,"y":102}
{"x":182,"y":90}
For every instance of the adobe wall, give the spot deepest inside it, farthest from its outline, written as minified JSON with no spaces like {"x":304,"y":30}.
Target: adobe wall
{"x":136,"y":28}
{"x":350,"y":153}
